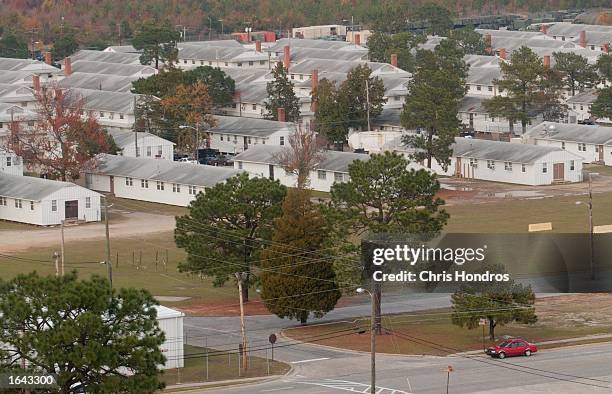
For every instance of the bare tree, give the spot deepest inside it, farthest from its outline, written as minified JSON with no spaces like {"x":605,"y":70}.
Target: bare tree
{"x":301,"y":156}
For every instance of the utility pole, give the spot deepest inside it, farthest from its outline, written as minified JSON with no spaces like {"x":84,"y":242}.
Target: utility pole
{"x":108,"y":262}
{"x":209,"y":28}
{"x":591,"y":235}
{"x":56,"y":260}
{"x":135,"y":131}
{"x":62,"y":247}
{"x":240,"y":278}
{"x":368,"y":102}
{"x":372,"y":295}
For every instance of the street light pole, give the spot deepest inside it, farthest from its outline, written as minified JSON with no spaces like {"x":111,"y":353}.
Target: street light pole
{"x":361,"y":290}
{"x":591,"y":240}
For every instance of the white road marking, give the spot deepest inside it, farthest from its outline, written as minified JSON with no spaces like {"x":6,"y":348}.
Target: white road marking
{"x":278,"y":389}
{"x":354,"y":387}
{"x":209,"y":329}
{"x":309,"y":360}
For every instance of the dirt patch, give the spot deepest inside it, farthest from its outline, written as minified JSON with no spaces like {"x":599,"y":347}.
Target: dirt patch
{"x":575,"y":310}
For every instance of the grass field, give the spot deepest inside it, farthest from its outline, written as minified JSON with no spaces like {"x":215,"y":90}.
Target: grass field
{"x":558,"y":319}
{"x":514,"y":216}
{"x":220,"y":367}
{"x":142,"y":272}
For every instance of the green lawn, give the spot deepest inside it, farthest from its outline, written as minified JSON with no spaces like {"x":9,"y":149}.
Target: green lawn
{"x":147,"y":207}
{"x":514,"y":216}
{"x":142,"y":272}
{"x":220,"y":367}
{"x":435,"y":327}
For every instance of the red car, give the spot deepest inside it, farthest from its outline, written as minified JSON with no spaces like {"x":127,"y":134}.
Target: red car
{"x":512,"y":347}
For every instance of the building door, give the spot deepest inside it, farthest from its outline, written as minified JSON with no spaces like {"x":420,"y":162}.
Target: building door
{"x":471,"y":121}
{"x":112,"y":184}
{"x":271,"y":170}
{"x":558,"y":171}
{"x":245,"y":143}
{"x":458,"y":168}
{"x":72,"y":209}
{"x":601,"y":153}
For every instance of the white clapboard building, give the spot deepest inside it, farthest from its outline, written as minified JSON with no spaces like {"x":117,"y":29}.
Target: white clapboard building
{"x":591,"y":142}
{"x":142,"y":144}
{"x":45,"y":202}
{"x":234,"y":134}
{"x":262,"y":160}
{"x":160,"y":181}
{"x":508,"y":162}
{"x":171,"y":323}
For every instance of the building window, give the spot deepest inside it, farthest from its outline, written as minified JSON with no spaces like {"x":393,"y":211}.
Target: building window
{"x":262,"y":62}
{"x":159,"y":150}
{"x":581,"y":107}
{"x":144,"y":183}
{"x":8,"y":161}
{"x":192,"y":190}
{"x":3,"y":201}
{"x":322,"y":175}
{"x":249,"y":140}
{"x":254,"y":107}
{"x":148,"y":151}
{"x":473,"y":162}
{"x":508,"y":166}
{"x":101,"y":114}
{"x":138,"y":152}
{"x":338,"y":177}
{"x":240,"y":165}
{"x":226,"y":64}
{"x":523,"y":168}
{"x":239,"y":64}
{"x":490,"y":88}
{"x":53,"y":205}
{"x":282,"y":140}
{"x":31,"y":205}
{"x":251,"y":63}
{"x":582,"y":147}
{"x":479,"y":88}
{"x":490,"y":164}
{"x":87,"y":202}
{"x":572,"y":165}
{"x":221,"y":136}
{"x":129,"y":182}
{"x":563,"y":145}
{"x":160,"y":185}
{"x":17,"y":203}
{"x":544,"y":168}
{"x":176,"y":188}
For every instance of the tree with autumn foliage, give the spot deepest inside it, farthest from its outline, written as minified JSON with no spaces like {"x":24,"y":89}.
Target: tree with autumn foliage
{"x":62,"y":142}
{"x":189,"y":105}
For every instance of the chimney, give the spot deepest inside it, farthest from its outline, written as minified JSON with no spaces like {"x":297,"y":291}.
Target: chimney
{"x":258,"y":46}
{"x":280,"y":114}
{"x":394,"y":59}
{"x":583,"y":41}
{"x":487,"y":41}
{"x":357,"y":38}
{"x":67,"y":66}
{"x":502,"y":53}
{"x":36,"y":83}
{"x":544,"y":29}
{"x":314,"y":83}
{"x":48,"y":58}
{"x":286,"y":57}
{"x":547,"y":61}
{"x":606,"y":48}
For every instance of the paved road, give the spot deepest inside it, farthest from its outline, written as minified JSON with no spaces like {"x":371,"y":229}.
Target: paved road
{"x":318,"y":369}
{"x":552,"y":371}
{"x":224,"y":332}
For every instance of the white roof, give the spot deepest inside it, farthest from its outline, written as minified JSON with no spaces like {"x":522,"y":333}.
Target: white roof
{"x":588,"y":134}
{"x":163,"y":312}
{"x":32,"y":188}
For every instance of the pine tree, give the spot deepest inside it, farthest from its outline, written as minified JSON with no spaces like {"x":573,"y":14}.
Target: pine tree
{"x":432,"y":104}
{"x":328,"y":116}
{"x":281,"y":95}
{"x":576,"y":71}
{"x":531,"y":89}
{"x":296,"y":278}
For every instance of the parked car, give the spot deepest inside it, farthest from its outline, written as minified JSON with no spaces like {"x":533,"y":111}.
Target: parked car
{"x":179,"y":156}
{"x":512,"y":347}
{"x":186,"y":160}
